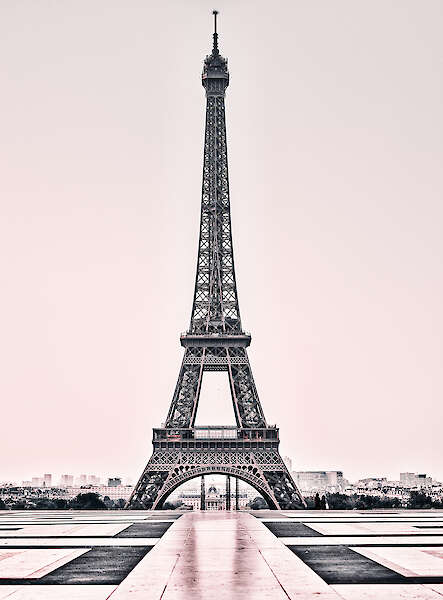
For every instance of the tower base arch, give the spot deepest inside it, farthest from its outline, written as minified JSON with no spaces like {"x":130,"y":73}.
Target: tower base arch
{"x":263,"y":470}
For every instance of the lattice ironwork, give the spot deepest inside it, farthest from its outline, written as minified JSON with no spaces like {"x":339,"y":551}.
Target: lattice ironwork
{"x":264,"y":470}
{"x":215,"y":341}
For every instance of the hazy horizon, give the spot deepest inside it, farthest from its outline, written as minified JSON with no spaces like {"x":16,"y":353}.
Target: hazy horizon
{"x":335,"y":139}
{"x":127,"y":480}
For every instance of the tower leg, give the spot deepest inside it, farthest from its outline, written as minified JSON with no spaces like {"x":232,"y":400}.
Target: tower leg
{"x":202,"y":494}
{"x":236,"y":494}
{"x":228,"y":492}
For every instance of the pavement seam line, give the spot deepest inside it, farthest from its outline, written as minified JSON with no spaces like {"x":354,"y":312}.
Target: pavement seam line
{"x":107,"y":597}
{"x":269,"y":566}
{"x":176,"y":561}
{"x":275,"y":576}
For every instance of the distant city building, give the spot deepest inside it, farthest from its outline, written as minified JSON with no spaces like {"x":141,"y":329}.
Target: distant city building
{"x":372,"y":482}
{"x":82,"y":480}
{"x":335,"y":478}
{"x":309,"y":482}
{"x":320,"y":481}
{"x":288,"y":462}
{"x":14,"y":493}
{"x":423,"y":480}
{"x":215,"y":498}
{"x":407,"y":479}
{"x":67,"y":480}
{"x":114,"y":492}
{"x":413,"y":480}
{"x":114,"y":481}
{"x":17,"y":493}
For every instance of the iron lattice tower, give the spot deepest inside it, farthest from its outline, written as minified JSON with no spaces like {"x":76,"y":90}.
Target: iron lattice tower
{"x":215,"y":341}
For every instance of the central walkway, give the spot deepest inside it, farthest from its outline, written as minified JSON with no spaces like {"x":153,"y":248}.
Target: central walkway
{"x":218,"y":555}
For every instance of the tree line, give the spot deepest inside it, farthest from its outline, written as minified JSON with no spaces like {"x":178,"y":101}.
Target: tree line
{"x":417,"y":500}
{"x":93,"y":501}
{"x":87,"y":501}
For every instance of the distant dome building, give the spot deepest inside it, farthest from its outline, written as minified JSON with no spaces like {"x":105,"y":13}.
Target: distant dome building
{"x":214,"y":499}
{"x":215,"y":496}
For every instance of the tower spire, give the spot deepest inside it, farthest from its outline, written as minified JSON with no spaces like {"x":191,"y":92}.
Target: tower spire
{"x":215,"y":34}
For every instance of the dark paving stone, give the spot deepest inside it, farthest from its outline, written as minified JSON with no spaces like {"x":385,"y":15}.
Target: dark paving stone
{"x":341,"y":565}
{"x":103,"y":566}
{"x":148,"y":530}
{"x":164,"y":515}
{"x":288,"y":529}
{"x":44,"y":517}
{"x":267,"y":514}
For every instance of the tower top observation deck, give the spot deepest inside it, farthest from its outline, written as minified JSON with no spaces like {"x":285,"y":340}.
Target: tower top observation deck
{"x":215,"y":76}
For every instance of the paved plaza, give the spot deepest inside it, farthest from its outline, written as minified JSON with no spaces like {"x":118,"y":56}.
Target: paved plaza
{"x":331,"y":555}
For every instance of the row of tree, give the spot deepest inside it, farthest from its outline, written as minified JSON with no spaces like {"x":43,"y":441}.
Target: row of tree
{"x":92,"y":501}
{"x":87,"y":501}
{"x":417,"y":500}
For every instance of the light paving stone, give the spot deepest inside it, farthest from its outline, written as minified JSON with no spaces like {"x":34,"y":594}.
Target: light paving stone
{"x":4,"y":554}
{"x":219,"y":549}
{"x":385,"y":528}
{"x":6,"y":591}
{"x":368,"y":514}
{"x":368,"y":517}
{"x":410,"y":562}
{"x":386,"y":592}
{"x":437,"y":587}
{"x":76,"y":542}
{"x":35,"y":563}
{"x":278,"y":520}
{"x":366,"y":541}
{"x":71,"y":529}
{"x":58,"y":592}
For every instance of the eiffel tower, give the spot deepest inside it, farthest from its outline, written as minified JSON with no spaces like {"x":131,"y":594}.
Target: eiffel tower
{"x":216,"y":341}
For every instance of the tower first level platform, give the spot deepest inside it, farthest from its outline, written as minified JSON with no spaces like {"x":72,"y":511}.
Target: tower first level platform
{"x":216,"y":436}
{"x":249,"y":454}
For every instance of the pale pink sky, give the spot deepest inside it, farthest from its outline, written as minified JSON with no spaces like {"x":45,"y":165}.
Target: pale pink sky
{"x":335,"y":145}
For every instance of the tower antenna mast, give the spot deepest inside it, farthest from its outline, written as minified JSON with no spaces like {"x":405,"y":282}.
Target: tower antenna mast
{"x":215,"y":35}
